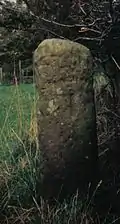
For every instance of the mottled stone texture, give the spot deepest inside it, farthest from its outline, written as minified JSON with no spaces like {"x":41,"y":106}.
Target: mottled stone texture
{"x":66,"y":116}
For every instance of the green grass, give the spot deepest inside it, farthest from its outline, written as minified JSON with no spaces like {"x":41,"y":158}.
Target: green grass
{"x":20,"y":163}
{"x":18,"y":171}
{"x":20,"y":168}
{"x":16,"y":103}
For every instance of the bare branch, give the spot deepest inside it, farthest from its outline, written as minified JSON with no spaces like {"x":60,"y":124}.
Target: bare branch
{"x":118,"y":66}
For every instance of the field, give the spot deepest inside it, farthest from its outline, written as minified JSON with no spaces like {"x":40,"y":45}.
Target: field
{"x":17,"y":105}
{"x":17,"y":165}
{"x":20,"y":162}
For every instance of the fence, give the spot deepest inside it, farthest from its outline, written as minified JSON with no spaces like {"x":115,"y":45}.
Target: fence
{"x":22,"y":75}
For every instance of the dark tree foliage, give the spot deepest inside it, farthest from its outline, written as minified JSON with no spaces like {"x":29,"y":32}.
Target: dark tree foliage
{"x":94,"y":23}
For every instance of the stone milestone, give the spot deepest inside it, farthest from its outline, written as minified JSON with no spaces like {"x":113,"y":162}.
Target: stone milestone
{"x":66,"y":117}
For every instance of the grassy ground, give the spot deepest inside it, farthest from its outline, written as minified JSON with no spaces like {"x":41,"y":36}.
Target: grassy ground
{"x":17,"y":105}
{"x":17,"y":163}
{"x":20,"y":163}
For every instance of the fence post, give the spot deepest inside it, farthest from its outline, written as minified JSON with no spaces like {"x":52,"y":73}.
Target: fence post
{"x":1,"y":75}
{"x":20,"y":71}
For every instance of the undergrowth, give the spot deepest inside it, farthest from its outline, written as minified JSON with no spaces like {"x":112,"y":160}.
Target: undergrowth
{"x":20,"y":171}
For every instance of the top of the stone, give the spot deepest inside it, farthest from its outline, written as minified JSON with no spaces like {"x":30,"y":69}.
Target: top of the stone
{"x":59,"y":46}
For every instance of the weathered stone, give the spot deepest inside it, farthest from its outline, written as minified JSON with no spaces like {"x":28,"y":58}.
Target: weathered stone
{"x":66,"y":116}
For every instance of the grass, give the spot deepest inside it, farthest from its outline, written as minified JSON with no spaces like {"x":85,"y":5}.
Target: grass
{"x":17,"y":157}
{"x":17,"y":107}
{"x":20,"y":166}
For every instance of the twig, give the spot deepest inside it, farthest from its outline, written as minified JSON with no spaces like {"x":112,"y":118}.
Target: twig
{"x":83,"y":10}
{"x":86,"y":29}
{"x":89,"y":39}
{"x":106,"y":140}
{"x":113,"y":113}
{"x":118,"y":66}
{"x":102,"y":153}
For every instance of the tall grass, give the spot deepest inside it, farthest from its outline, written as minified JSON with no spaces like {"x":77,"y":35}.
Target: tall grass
{"x":20,"y":168}
{"x":18,"y":146}
{"x":18,"y":105}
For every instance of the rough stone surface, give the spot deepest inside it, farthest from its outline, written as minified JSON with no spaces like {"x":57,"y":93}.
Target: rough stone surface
{"x":66,"y":116}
